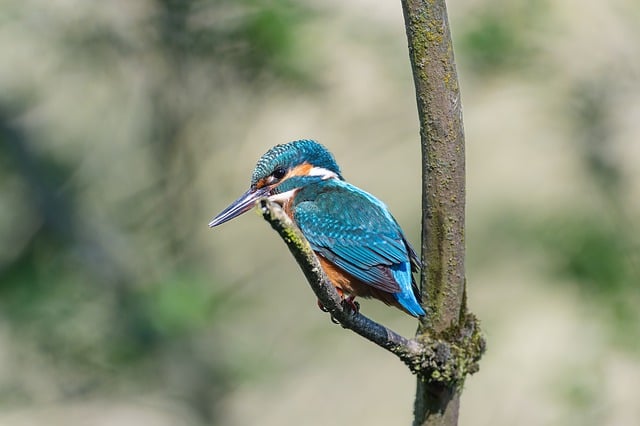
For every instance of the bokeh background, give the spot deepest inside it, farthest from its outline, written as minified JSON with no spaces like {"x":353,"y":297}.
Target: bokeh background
{"x":126,"y":125}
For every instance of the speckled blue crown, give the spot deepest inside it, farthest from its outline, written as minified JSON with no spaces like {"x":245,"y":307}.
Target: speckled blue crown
{"x":294,"y":153}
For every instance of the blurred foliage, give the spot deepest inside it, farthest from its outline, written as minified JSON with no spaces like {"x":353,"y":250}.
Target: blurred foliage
{"x":104,"y":289}
{"x":598,"y":247}
{"x":121,"y":301}
{"x":589,"y":252}
{"x":497,"y":38}
{"x":580,"y":386}
{"x":594,"y":247}
{"x":252,"y":39}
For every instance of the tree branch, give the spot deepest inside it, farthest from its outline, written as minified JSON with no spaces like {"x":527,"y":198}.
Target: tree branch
{"x":442,"y":140}
{"x":405,"y":349}
{"x":435,"y":360}
{"x":443,"y":283}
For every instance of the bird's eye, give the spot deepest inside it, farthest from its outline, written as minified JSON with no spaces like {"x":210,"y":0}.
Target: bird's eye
{"x":279,"y":173}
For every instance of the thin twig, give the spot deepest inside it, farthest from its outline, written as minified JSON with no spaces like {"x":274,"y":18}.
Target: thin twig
{"x":434,"y":360}
{"x":408,"y":350}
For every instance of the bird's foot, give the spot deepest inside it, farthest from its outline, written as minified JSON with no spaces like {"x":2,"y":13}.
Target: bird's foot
{"x":351,"y":304}
{"x":321,"y":306}
{"x":348,"y":303}
{"x":324,"y":309}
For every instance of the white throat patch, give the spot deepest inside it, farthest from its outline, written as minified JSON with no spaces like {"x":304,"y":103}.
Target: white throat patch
{"x":321,"y":171}
{"x":283,"y":197}
{"x":314,"y":171}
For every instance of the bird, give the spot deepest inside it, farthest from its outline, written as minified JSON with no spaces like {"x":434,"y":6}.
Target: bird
{"x":359,"y":244}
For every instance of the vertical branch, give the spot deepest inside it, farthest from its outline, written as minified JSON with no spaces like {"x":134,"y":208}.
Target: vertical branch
{"x":443,"y":198}
{"x":443,"y":177}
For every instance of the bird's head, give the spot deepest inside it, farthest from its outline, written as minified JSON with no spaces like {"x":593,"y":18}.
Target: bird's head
{"x":280,"y":172}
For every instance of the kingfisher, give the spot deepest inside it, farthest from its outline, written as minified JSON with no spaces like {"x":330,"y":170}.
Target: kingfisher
{"x":359,"y":244}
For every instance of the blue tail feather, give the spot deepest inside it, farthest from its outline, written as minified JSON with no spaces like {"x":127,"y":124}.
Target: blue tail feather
{"x":406,"y":298}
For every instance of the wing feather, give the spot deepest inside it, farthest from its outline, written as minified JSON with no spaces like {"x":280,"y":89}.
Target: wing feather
{"x":353,"y":230}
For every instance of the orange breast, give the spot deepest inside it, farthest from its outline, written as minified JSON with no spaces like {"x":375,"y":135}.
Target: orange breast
{"x":346,"y":283}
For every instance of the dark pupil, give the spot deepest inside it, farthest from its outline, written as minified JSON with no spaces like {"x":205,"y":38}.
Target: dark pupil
{"x":279,"y":173}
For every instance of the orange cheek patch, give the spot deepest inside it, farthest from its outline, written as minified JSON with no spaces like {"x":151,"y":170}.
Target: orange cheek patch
{"x":301,"y":170}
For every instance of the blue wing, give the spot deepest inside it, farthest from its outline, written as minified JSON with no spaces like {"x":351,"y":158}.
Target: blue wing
{"x":356,"y":232}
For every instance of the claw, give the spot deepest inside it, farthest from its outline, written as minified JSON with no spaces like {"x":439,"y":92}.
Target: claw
{"x":350,"y":303}
{"x":323,"y":309}
{"x":321,"y":306}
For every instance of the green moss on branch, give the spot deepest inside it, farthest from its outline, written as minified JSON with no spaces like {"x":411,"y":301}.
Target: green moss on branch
{"x":444,"y":359}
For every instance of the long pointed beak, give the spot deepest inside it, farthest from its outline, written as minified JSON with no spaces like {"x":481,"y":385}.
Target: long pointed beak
{"x":239,"y":206}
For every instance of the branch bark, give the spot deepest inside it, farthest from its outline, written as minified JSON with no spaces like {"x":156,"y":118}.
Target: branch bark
{"x":434,"y":360}
{"x":442,"y":140}
{"x":408,"y":350}
{"x":443,"y":199}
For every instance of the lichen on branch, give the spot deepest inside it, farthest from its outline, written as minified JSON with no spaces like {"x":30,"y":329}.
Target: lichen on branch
{"x":432,"y":359}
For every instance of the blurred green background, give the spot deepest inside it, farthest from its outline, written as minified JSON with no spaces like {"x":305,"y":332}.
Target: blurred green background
{"x":125,"y":126}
